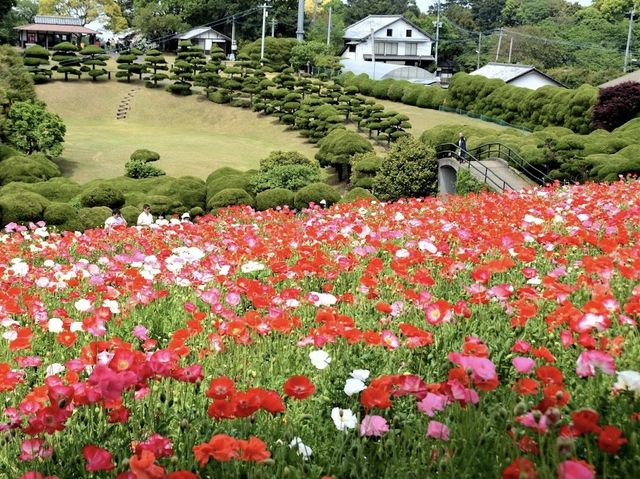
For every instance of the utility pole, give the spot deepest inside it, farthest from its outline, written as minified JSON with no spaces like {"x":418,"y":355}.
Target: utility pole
{"x":234,"y":44}
{"x":499,"y":45}
{"x":300,"y":29}
{"x":373,"y":53}
{"x":273,"y":27}
{"x":329,"y":28}
{"x":437,"y":34}
{"x":479,"y":48}
{"x":264,"y":27}
{"x":510,"y":49}
{"x":628,"y":49}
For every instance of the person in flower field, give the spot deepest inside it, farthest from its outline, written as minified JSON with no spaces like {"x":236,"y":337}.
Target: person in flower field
{"x":115,"y":219}
{"x":145,"y":218}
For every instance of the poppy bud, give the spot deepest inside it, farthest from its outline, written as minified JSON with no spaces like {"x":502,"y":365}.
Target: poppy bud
{"x":565,"y":445}
{"x":520,"y":409}
{"x":537,"y":415}
{"x":174,"y":459}
{"x":125,"y":462}
{"x":286,"y":471}
{"x":184,"y":424}
{"x":554,"y":415}
{"x":163,"y":397}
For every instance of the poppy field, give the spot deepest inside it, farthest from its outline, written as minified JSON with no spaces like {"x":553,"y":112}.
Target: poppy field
{"x":479,"y":336}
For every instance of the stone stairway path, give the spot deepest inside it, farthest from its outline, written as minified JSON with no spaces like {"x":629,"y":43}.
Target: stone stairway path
{"x":125,"y":105}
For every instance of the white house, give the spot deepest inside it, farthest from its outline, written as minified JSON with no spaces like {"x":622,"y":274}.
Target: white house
{"x":524,"y":76}
{"x":206,"y":37}
{"x":388,"y":39}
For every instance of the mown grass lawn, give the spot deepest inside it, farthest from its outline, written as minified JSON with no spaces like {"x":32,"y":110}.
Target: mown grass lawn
{"x":192,"y":135}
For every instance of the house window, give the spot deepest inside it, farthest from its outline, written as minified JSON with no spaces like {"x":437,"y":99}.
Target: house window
{"x":411,"y":49}
{"x":409,"y":33}
{"x":352,"y":48}
{"x":386,"y":48}
{"x":389,"y":32}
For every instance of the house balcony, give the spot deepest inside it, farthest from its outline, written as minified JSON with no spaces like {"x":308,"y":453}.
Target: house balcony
{"x":405,"y":58}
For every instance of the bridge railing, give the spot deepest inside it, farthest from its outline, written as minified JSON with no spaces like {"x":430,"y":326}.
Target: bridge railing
{"x":490,"y":151}
{"x":468,"y":160}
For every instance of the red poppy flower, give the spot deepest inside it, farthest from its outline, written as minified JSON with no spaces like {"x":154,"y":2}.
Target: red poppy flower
{"x":610,"y":439}
{"x":585,"y":421}
{"x":375,"y":397}
{"x":221,"y":388}
{"x":549,"y":375}
{"x":253,"y":449}
{"x":144,"y":467}
{"x":181,"y":475}
{"x":246,"y":403}
{"x":520,"y":468}
{"x":98,"y":459}
{"x":299,"y":387}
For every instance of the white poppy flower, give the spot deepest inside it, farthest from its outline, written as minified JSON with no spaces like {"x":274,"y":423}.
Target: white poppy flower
{"x":343,"y":419}
{"x":75,"y":327}
{"x":361,"y":374}
{"x":323,"y":299}
{"x":354,"y":386}
{"x":303,"y":450}
{"x":55,"y":325}
{"x":251,"y":267}
{"x":628,"y":380}
{"x":320,"y":359}
{"x":83,"y":305}
{"x":55,"y":368}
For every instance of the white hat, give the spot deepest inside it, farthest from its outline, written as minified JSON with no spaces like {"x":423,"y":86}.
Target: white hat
{"x":185,"y":216}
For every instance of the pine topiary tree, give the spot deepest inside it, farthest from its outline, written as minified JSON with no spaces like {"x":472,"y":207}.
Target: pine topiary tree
{"x":126,"y":66}
{"x":337,"y":149}
{"x":155,"y":63}
{"x":65,"y":54}
{"x":92,"y":57}
{"x":36,"y":59}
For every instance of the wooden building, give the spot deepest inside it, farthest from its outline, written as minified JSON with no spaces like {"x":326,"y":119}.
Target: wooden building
{"x":48,"y":31}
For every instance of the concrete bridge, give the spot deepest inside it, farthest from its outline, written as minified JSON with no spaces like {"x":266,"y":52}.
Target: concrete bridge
{"x":489,"y":164}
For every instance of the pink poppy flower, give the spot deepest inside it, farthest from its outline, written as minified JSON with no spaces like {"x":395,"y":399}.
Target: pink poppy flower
{"x":523,"y":365}
{"x":589,"y":361}
{"x":432,"y":403}
{"x":575,"y":469}
{"x":437,"y":430}
{"x":373,"y":426}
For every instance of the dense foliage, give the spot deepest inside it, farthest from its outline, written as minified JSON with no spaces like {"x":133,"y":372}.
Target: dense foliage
{"x":617,"y":105}
{"x":363,"y":340}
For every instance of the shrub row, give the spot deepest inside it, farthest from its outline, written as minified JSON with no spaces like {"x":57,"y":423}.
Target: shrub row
{"x":535,"y":109}
{"x":559,"y":152}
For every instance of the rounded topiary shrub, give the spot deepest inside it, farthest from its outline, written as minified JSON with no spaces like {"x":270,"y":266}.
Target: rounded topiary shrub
{"x":222,"y":172}
{"x":231,"y":197}
{"x":57,"y":189}
{"x":163,"y":205}
{"x":197,"y":211}
{"x":29,"y":169}
{"x":94,"y":217}
{"x":60,"y":213}
{"x":144,"y":155}
{"x":7,"y":152}
{"x":102,"y":195}
{"x":275,"y":197}
{"x":130,"y":214}
{"x":241,"y":182}
{"x":22,"y":207}
{"x":356,"y":194}
{"x":315,"y":193}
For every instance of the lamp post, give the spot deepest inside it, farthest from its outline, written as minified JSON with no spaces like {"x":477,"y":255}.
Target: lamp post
{"x":628,"y":49}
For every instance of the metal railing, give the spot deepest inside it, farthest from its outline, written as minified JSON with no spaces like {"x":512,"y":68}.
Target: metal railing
{"x":468,"y":160}
{"x":492,"y":151}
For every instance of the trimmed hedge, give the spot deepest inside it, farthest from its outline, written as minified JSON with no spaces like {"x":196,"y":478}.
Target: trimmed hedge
{"x":222,"y":172}
{"x":22,"y":207}
{"x":271,"y":199}
{"x":130,"y":214}
{"x":93,"y":217}
{"x":62,"y":215}
{"x":231,"y":197}
{"x":102,"y":195}
{"x":28,"y":169}
{"x":315,"y":193}
{"x":356,"y":194}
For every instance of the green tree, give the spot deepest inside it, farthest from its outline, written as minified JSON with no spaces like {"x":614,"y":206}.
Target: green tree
{"x":487,"y":13}
{"x":30,"y":127}
{"x":337,"y":149}
{"x":66,"y":55}
{"x":23,"y":12}
{"x":94,"y":56}
{"x":616,"y":7}
{"x":16,"y":83}
{"x":410,"y":170}
{"x":358,"y":9}
{"x":157,"y":19}
{"x":155,"y":62}
{"x":87,"y":11}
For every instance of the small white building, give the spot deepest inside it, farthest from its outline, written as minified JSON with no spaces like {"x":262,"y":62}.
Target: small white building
{"x":206,"y":37}
{"x":524,"y":76}
{"x":388,"y":39}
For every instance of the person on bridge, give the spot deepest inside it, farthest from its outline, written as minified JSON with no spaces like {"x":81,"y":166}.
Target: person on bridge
{"x":462,"y":145}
